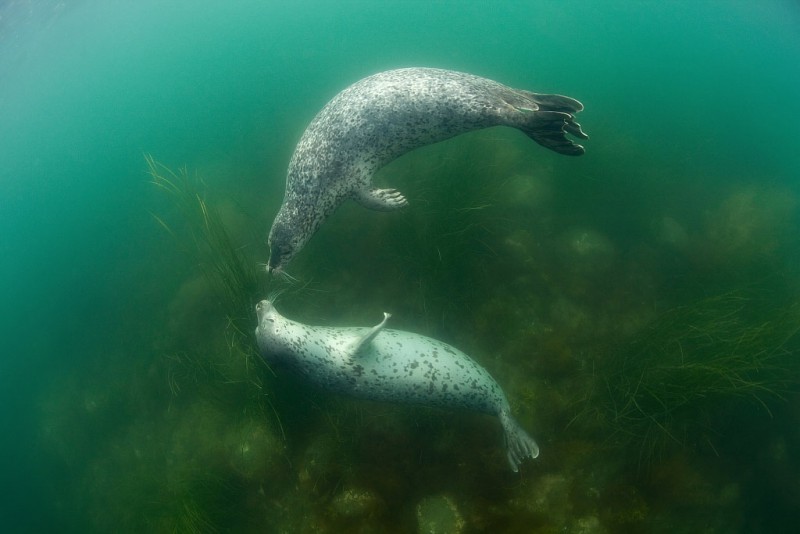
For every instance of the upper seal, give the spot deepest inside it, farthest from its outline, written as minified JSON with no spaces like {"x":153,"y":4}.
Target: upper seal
{"x":382,"y":117}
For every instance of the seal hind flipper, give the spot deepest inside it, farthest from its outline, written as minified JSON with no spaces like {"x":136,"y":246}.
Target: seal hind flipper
{"x":554,"y":119}
{"x":520,"y":445}
{"x":367,"y":338}
{"x":381,"y":199}
{"x":555,"y":102}
{"x":549,"y":129}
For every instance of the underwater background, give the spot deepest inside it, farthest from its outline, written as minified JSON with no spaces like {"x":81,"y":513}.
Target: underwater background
{"x":639,"y":305}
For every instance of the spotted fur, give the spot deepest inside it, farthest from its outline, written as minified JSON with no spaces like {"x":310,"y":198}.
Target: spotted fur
{"x":382,"y":117}
{"x":389,"y":365}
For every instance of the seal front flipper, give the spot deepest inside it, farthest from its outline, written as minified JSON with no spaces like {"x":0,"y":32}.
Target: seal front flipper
{"x":365,"y":340}
{"x":381,"y":199}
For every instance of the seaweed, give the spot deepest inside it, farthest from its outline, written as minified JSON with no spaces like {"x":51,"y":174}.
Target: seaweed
{"x":695,"y":366}
{"x":232,"y":274}
{"x":225,"y":265}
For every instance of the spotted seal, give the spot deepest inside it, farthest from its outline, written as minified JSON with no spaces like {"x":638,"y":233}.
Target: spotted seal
{"x":389,"y":365}
{"x":382,"y":117}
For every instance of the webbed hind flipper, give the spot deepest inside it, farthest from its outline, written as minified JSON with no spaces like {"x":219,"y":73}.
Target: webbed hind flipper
{"x":367,"y":338}
{"x":381,"y":199}
{"x":550,"y":128}
{"x":561,"y":103}
{"x":518,"y":443}
{"x":552,"y":121}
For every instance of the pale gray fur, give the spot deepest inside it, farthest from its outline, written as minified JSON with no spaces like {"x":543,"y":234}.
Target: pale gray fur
{"x":382,"y":117}
{"x":389,"y":365}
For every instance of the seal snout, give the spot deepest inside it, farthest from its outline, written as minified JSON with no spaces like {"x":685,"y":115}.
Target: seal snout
{"x":271,"y":268}
{"x":281,"y":242}
{"x":262,"y":308}
{"x":274,"y":264}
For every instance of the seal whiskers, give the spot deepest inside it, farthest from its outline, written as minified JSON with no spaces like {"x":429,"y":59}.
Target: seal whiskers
{"x":283,"y":275}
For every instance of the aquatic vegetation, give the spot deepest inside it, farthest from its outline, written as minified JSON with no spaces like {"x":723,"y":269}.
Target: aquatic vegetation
{"x":696,"y":364}
{"x":483,"y":257}
{"x":231,"y":272}
{"x":491,"y":266}
{"x":448,"y":239}
{"x":215,"y":364}
{"x":207,"y":239}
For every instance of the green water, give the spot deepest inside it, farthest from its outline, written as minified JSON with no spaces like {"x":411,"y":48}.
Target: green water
{"x":639,"y":305}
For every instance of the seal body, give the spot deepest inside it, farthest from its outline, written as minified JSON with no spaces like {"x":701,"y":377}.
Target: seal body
{"x":382,"y":117}
{"x":389,"y":365}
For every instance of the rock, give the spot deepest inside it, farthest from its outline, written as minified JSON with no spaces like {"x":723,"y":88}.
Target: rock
{"x":439,"y":515}
{"x":353,"y":503}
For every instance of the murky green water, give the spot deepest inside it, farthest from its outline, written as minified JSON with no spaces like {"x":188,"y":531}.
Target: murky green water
{"x":639,"y":305}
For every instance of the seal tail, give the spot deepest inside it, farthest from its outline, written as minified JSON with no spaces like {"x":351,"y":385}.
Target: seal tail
{"x":519,"y":444}
{"x":550,"y":124}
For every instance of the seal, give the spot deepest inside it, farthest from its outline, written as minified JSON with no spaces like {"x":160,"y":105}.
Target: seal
{"x":389,"y":365}
{"x":382,"y":117}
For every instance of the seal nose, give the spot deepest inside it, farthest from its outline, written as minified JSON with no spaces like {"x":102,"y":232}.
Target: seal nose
{"x":273,"y":269}
{"x":262,"y":308}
